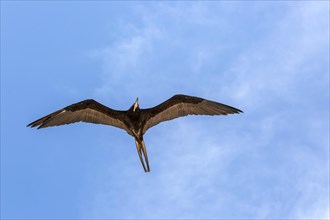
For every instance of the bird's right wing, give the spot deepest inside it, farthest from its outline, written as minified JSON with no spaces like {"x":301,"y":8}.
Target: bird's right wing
{"x":84,"y":111}
{"x":182,"y":105}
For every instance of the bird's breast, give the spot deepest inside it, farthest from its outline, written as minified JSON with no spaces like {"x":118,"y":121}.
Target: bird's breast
{"x":134,"y":124}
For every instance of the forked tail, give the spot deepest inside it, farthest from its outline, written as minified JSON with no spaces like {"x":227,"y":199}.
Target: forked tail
{"x":141,"y":148}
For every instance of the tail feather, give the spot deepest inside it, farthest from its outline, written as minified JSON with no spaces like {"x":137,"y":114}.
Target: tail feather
{"x":145,"y":155}
{"x":141,"y":148}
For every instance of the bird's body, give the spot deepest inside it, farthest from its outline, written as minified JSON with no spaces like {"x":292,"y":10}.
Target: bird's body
{"x":134,"y":121}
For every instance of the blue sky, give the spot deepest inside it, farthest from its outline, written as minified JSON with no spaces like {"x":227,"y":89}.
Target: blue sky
{"x":270,"y":59}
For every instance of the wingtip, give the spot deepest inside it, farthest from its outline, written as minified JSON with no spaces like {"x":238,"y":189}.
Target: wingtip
{"x":31,"y":125}
{"x":237,"y":111}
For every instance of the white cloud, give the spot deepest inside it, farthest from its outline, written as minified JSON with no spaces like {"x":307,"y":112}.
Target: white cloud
{"x":122,"y":63}
{"x":161,"y":55}
{"x":283,"y":60}
{"x":267,"y":163}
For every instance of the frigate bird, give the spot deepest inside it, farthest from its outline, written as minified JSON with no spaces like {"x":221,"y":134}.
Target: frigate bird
{"x":134,"y":121}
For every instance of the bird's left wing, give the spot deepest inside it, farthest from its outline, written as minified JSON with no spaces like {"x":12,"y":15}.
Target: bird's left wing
{"x":84,"y":111}
{"x":182,"y":105}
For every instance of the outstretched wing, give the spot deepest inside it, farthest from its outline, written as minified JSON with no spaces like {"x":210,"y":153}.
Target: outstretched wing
{"x":84,"y":111}
{"x":182,"y":105}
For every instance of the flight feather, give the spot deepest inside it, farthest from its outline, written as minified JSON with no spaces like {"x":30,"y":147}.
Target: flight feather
{"x":183,"y":105}
{"x":85,"y":111}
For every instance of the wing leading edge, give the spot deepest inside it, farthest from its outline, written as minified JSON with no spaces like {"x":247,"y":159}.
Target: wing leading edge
{"x":183,"y":105}
{"x":85,"y":111}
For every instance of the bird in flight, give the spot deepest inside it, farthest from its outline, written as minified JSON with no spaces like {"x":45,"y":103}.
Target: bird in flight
{"x":134,"y":121}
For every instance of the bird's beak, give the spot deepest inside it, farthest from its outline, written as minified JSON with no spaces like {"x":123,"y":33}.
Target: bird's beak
{"x":136,"y":104}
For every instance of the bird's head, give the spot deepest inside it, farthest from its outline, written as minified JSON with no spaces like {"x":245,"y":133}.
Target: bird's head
{"x":136,"y":104}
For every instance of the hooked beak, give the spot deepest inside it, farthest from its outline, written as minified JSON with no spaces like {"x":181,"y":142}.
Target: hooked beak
{"x":136,"y":104}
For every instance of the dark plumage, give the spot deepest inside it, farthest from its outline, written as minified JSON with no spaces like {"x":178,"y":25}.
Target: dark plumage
{"x":134,"y":121}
